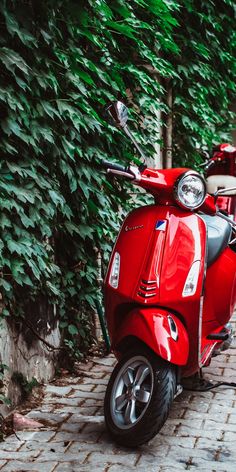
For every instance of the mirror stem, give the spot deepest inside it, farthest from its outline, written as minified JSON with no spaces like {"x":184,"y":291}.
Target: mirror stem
{"x":129,"y":134}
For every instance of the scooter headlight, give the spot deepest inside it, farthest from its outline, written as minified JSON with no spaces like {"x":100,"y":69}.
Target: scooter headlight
{"x":190,"y":190}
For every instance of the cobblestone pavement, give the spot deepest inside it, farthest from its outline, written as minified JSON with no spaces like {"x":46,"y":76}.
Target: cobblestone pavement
{"x":200,"y":433}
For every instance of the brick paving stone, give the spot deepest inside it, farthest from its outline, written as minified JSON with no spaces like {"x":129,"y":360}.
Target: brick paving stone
{"x":100,"y":459}
{"x":100,"y":389}
{"x":176,"y":468}
{"x":224,"y":401}
{"x":191,"y":405}
{"x":159,"y":457}
{"x":42,"y":436}
{"x":184,"y":441}
{"x":93,"y":402}
{"x":11,"y":446}
{"x":77,"y":436}
{"x":47,"y":456}
{"x":206,"y":443}
{"x":108,"y":361}
{"x":65,"y":401}
{"x":104,"y":368}
{"x":72,"y":427}
{"x":86,"y":418}
{"x":230,"y":436}
{"x":186,"y":422}
{"x":168,"y":429}
{"x":21,"y":455}
{"x":52,"y":418}
{"x":213,"y":425}
{"x":57,"y":390}
{"x":99,"y":446}
{"x":83,"y":388}
{"x":232,"y":417}
{"x":95,"y":375}
{"x":20,"y":466}
{"x":223,"y":392}
{"x":75,"y":466}
{"x":83,"y":411}
{"x":188,"y":431}
{"x":217,"y":408}
{"x":156,"y":451}
{"x":85,"y":366}
{"x":95,"y":381}
{"x":184,"y":456}
{"x":229,"y":372}
{"x":220,"y":418}
{"x":117,"y":468}
{"x":53,"y":447}
{"x":75,"y":410}
{"x":81,"y":394}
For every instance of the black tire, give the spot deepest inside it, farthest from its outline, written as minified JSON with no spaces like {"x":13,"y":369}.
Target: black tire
{"x":135,"y":413}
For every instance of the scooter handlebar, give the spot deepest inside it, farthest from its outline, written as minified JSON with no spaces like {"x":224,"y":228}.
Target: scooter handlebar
{"x":117,"y":169}
{"x":114,"y":166}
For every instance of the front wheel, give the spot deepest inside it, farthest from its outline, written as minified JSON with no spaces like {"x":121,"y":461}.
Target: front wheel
{"x":138,"y":397}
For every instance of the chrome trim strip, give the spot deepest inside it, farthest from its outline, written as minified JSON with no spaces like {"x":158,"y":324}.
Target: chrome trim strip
{"x":202,"y":301}
{"x":149,"y":281}
{"x":200,"y":332}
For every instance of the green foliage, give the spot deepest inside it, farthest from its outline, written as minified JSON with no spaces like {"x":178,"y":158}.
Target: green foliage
{"x":25,"y":385}
{"x":205,"y":89}
{"x":61,"y":62}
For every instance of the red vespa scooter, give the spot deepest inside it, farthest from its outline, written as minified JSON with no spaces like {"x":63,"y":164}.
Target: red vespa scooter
{"x":170,"y":291}
{"x":221,"y":174}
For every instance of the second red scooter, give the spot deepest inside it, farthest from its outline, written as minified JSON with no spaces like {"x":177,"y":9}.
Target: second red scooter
{"x":221,"y":175}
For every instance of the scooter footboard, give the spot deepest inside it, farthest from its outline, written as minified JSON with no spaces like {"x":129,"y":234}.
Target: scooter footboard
{"x":162,"y":331}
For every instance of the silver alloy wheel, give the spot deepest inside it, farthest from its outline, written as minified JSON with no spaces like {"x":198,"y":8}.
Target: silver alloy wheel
{"x":131,"y":392}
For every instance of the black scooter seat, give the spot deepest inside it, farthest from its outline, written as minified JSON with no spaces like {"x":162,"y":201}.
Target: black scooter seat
{"x":218,"y":236}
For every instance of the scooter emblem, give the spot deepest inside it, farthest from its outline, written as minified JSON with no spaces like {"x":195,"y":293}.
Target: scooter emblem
{"x":161,"y":225}
{"x":131,"y":228}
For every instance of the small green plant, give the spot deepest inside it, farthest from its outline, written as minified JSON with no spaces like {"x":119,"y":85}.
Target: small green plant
{"x":3,"y":398}
{"x":26,"y":386}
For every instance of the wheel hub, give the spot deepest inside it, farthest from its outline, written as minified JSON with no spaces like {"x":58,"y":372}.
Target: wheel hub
{"x":132,"y":392}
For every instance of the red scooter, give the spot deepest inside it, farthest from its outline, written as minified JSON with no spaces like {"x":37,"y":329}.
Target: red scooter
{"x":221,"y":174}
{"x":170,"y":291}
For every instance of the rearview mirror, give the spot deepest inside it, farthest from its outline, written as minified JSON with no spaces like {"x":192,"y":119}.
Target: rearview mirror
{"x":226,"y":192}
{"x":117,"y":113}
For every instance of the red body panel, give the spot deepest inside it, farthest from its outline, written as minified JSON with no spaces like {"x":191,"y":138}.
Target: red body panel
{"x":152,"y":327}
{"x":220,"y":289}
{"x":164,"y":257}
{"x":227,"y":204}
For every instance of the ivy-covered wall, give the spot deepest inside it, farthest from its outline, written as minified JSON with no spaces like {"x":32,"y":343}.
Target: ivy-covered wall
{"x":61,"y":62}
{"x":205,"y":88}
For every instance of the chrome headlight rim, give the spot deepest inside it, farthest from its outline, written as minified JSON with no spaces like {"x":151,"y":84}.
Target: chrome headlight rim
{"x":189,"y":173}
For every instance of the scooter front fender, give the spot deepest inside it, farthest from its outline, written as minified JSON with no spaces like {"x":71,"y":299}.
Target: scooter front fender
{"x":162,"y":331}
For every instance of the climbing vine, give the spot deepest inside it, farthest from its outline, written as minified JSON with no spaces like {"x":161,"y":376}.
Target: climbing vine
{"x":61,"y":62}
{"x":205,"y":89}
